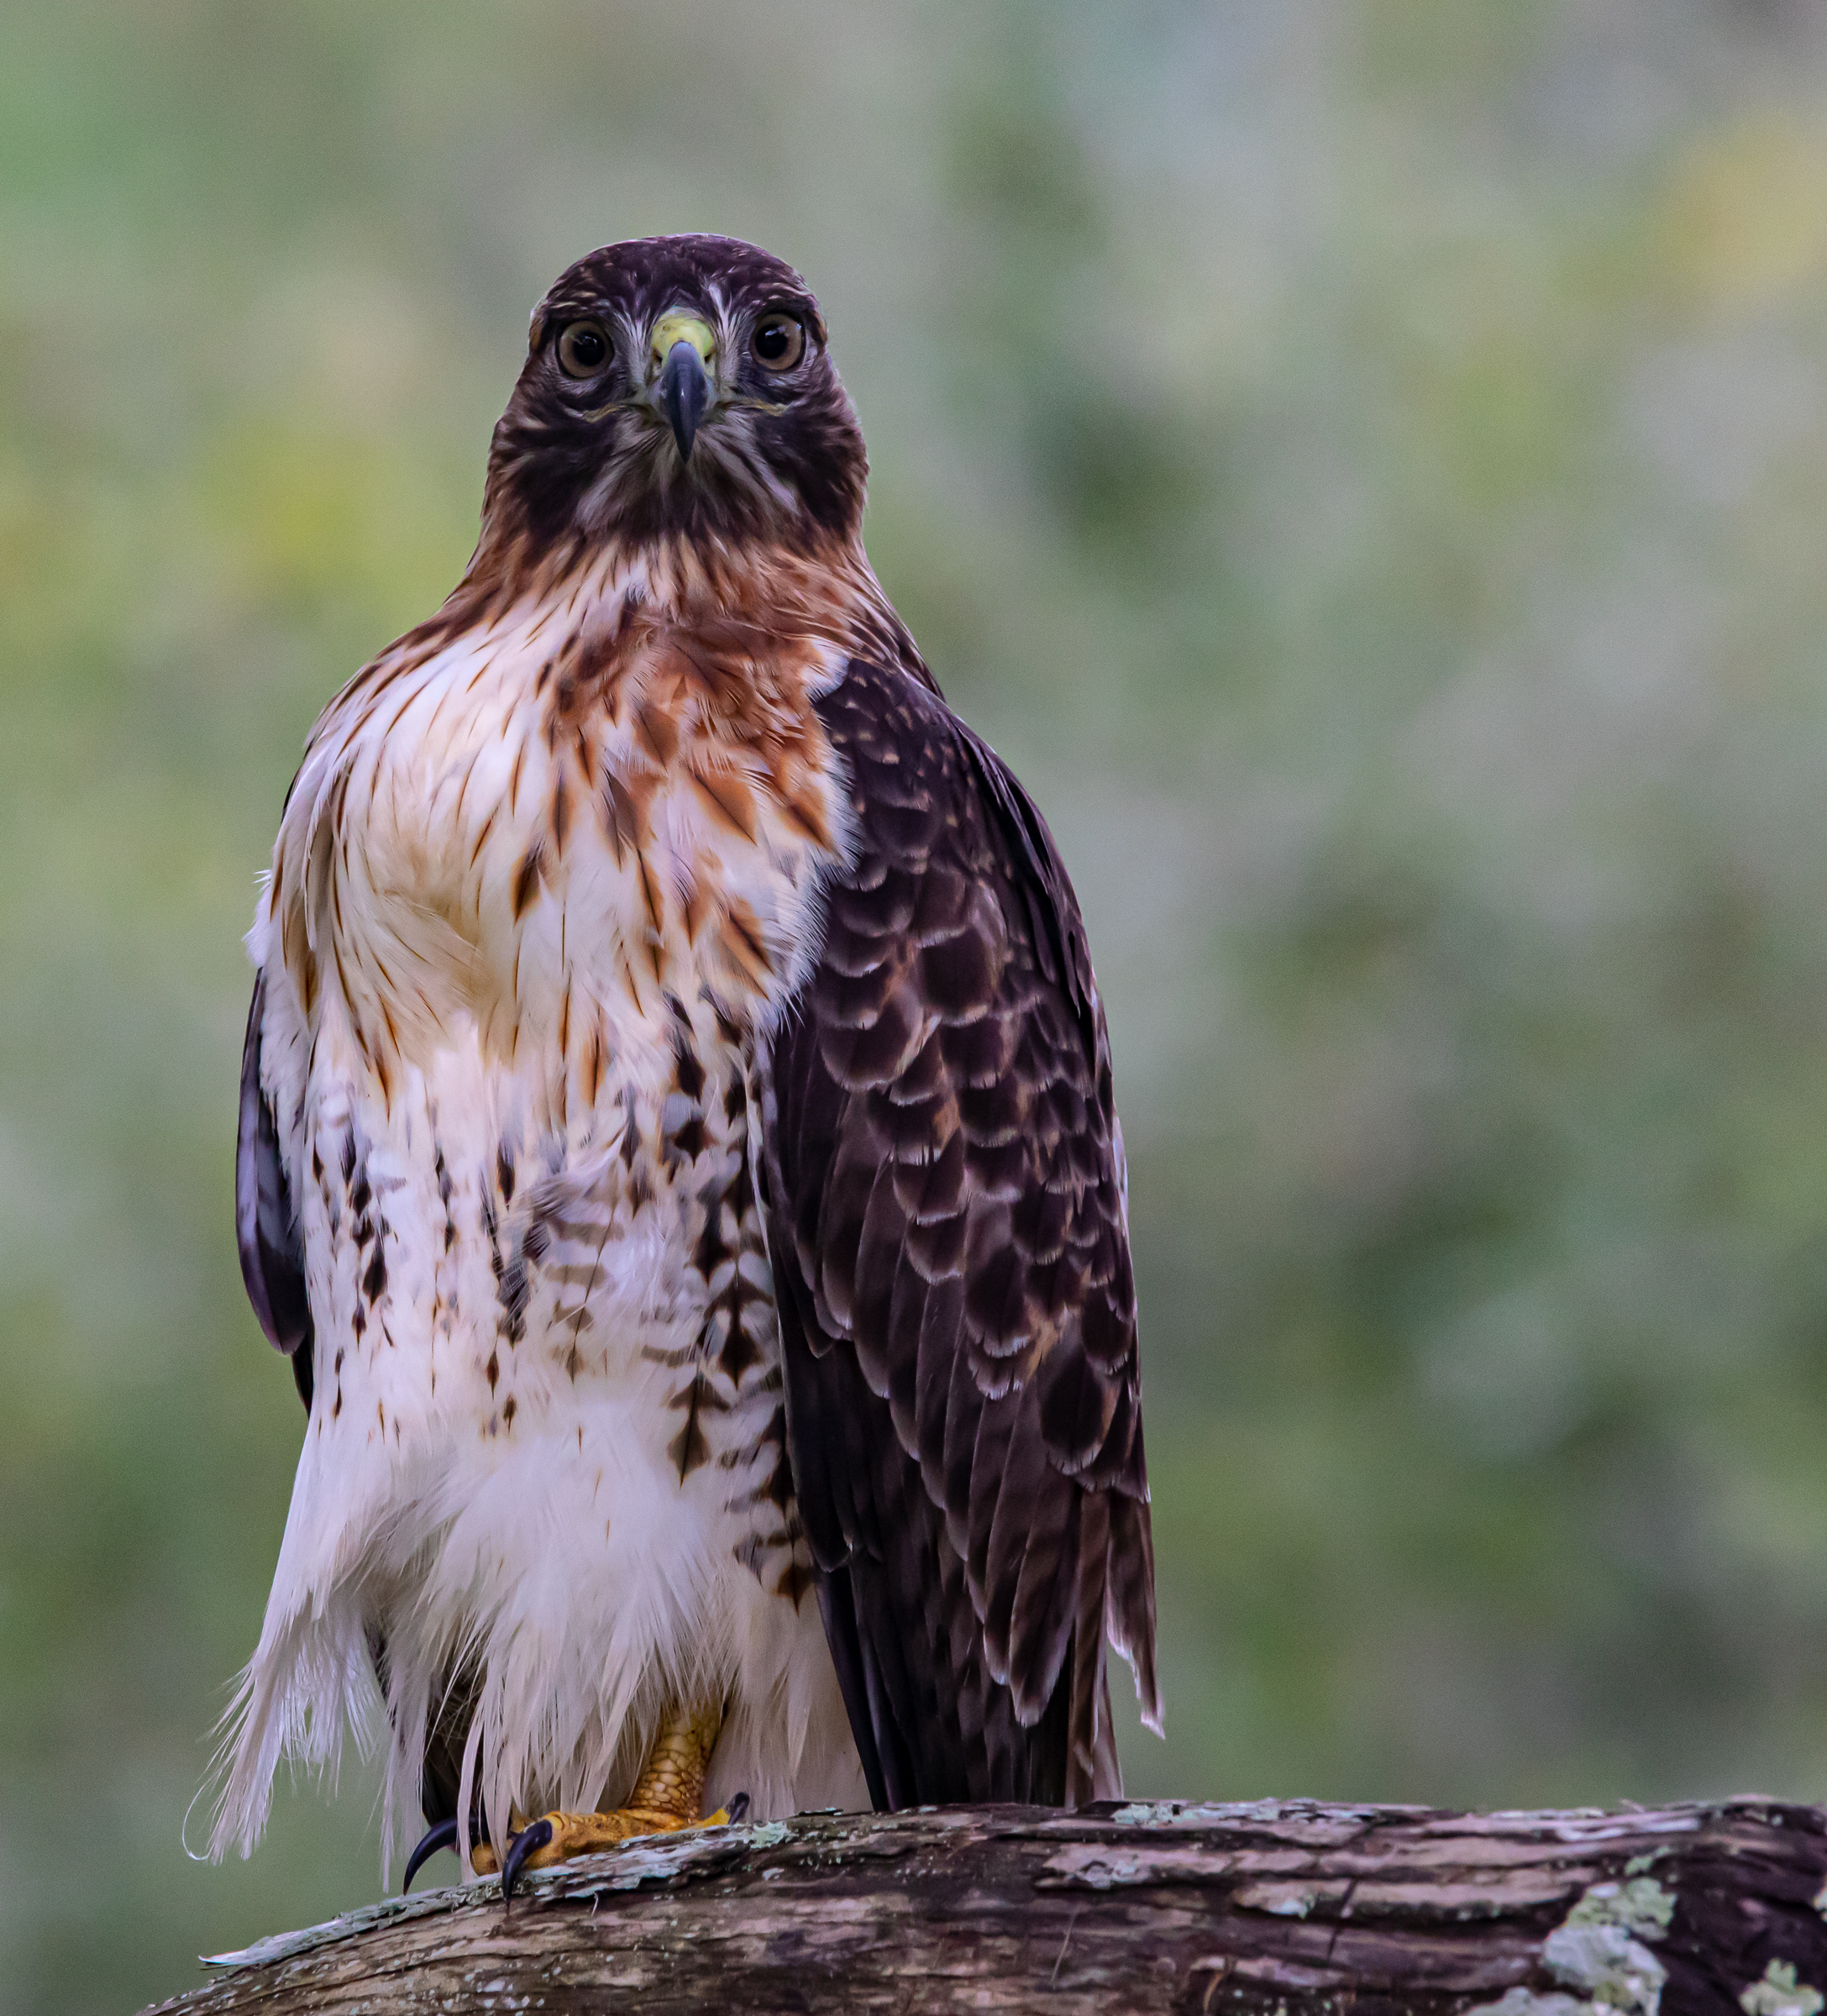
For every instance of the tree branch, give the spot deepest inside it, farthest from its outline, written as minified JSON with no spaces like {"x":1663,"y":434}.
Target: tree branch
{"x":1280,"y":1906}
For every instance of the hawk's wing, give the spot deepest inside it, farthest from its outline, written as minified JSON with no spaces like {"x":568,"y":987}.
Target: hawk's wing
{"x":944,"y":1188}
{"x":265,"y":1224}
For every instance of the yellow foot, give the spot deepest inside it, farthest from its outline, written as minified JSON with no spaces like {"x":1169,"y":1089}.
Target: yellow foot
{"x":559,"y":1837}
{"x":668,"y":1797}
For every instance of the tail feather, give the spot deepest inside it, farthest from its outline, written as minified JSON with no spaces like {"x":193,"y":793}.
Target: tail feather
{"x":1091,"y":1767}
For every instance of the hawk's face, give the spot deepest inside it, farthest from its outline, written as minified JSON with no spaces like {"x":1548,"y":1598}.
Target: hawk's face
{"x":677,"y":385}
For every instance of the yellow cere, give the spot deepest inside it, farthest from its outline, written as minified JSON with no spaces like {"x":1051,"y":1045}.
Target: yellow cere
{"x":677,"y":327}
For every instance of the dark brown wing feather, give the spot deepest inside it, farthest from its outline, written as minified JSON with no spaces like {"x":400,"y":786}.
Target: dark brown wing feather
{"x":265,"y":1224}
{"x":944,"y":1191}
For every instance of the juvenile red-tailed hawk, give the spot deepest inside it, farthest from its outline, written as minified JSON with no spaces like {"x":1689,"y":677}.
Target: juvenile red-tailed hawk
{"x":677,"y":1151}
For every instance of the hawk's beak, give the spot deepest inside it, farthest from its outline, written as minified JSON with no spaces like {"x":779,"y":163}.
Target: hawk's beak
{"x":683,"y":385}
{"x":684,"y":391}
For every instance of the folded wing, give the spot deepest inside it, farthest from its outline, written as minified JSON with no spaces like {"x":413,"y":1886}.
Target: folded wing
{"x":944,"y":1187}
{"x":266,"y":1223}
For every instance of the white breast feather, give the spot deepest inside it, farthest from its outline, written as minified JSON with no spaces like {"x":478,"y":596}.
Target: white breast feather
{"x":470,"y":1492}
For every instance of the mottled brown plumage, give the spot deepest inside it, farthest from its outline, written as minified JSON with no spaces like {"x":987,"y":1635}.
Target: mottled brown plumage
{"x":676,"y":1063}
{"x":945,"y":1192}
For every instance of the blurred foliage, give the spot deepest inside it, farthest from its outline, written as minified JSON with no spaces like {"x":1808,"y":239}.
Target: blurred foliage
{"x":1365,"y":461}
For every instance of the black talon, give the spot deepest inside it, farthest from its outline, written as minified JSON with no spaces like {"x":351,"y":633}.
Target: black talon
{"x":443,"y":1835}
{"x":738,"y":1807}
{"x":530,"y":1840}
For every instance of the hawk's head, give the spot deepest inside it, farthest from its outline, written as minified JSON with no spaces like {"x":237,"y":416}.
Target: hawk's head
{"x":677,"y":386}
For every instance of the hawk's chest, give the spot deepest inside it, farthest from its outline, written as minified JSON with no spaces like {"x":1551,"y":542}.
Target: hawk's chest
{"x":534,"y":894}
{"x":550,"y":846}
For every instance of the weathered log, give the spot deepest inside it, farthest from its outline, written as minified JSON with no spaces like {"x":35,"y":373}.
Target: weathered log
{"x":1279,"y":1906}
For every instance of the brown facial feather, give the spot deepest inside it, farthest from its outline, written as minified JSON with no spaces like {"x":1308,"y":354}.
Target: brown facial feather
{"x":782,"y":459}
{"x":577,"y":473}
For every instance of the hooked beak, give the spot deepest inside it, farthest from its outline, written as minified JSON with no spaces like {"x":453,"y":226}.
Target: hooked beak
{"x":684,"y":391}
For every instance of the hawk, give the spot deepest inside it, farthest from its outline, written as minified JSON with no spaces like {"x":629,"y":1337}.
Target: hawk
{"x":678,"y":1155}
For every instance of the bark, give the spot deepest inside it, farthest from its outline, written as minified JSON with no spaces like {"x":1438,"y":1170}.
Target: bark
{"x":1276,"y":1907}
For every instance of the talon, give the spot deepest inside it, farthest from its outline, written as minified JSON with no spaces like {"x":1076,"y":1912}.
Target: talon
{"x":443,"y":1835}
{"x":667,"y":1797}
{"x":527,"y":1843}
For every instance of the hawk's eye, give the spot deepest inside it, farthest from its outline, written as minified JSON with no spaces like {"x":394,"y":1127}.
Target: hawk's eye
{"x":583,"y":349}
{"x":778,"y":342}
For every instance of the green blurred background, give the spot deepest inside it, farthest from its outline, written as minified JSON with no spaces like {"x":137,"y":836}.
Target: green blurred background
{"x":1366,"y":465}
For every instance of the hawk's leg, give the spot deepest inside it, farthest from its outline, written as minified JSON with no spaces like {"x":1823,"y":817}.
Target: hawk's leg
{"x":668,"y":1795}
